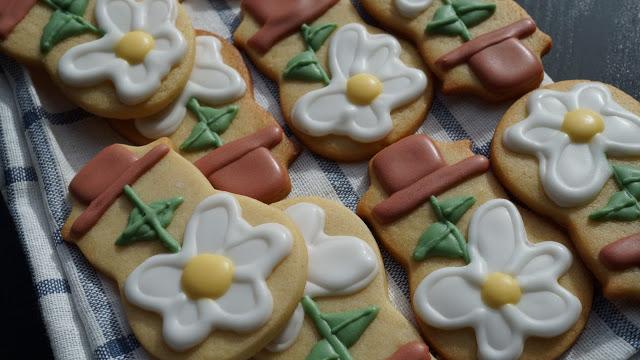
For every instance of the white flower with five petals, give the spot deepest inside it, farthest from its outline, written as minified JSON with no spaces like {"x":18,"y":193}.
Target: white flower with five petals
{"x":140,"y":46}
{"x":338,"y":265}
{"x":508,"y":292}
{"x":368,"y":81}
{"x":211,"y":81}
{"x":245,"y":302}
{"x":571,"y":134}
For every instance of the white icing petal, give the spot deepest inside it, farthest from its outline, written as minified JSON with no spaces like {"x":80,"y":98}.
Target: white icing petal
{"x":496,"y":339}
{"x":496,"y":235}
{"x":185,"y":325}
{"x":216,"y":226}
{"x":450,"y":298}
{"x":412,"y":8}
{"x":538,"y":265}
{"x":116,"y":16}
{"x":547,"y":313}
{"x":211,"y":81}
{"x":155,"y":284}
{"x":338,"y":265}
{"x":158,"y":13}
{"x":246,"y":306}
{"x":354,"y":51}
{"x":572,"y":174}
{"x":91,"y":63}
{"x":621,"y":134}
{"x":290,"y":333}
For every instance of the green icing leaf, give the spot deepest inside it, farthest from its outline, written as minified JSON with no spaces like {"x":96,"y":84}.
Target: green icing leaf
{"x":453,"y":209}
{"x":148,"y":222}
{"x":455,"y":17}
{"x":338,"y":330}
{"x":65,"y":22}
{"x":322,"y":350}
{"x":211,"y":123}
{"x":443,"y":238}
{"x":621,"y":206}
{"x":349,"y":326}
{"x":315,"y":36}
{"x":628,"y":178}
{"x":305,"y":67}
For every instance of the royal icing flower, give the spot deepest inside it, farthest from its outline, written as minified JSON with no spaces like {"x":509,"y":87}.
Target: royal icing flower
{"x":412,"y":8}
{"x":571,"y":134}
{"x":508,"y":292}
{"x":140,"y":46}
{"x":338,"y":265}
{"x":217,"y":280}
{"x":368,"y":81}
{"x":211,"y":81}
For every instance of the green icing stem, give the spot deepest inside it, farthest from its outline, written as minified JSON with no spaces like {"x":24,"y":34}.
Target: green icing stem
{"x":311,"y":309}
{"x":150,"y":217}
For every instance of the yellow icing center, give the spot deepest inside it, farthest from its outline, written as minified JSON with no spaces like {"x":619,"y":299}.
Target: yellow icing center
{"x":134,"y":46}
{"x":207,"y":276}
{"x":363,"y":88}
{"x":500,"y":289}
{"x":581,"y":125}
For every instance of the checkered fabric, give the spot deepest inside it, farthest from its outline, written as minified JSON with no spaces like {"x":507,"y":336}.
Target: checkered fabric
{"x":44,"y":141}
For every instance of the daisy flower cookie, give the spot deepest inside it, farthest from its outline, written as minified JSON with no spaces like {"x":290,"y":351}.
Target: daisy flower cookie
{"x":134,"y":64}
{"x":346,"y":89}
{"x":202,"y":273}
{"x":488,"y":280}
{"x":570,"y":151}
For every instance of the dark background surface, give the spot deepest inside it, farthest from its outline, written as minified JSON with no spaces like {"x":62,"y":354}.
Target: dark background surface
{"x":593,"y":39}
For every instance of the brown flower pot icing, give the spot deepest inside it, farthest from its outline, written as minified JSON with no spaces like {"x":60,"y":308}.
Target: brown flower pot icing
{"x":499,"y":59}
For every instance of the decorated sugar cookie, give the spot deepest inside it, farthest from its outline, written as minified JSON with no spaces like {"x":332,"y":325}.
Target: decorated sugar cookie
{"x":114,"y":58}
{"x":346,"y":89}
{"x":490,"y":48}
{"x":202,"y":273}
{"x":488,"y":280}
{"x":571,"y":151}
{"x":218,"y":125}
{"x":345,"y":313}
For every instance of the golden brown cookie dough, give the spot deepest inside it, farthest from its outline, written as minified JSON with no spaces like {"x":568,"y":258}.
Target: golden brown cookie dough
{"x":101,"y":99}
{"x":174,"y":176}
{"x":520,"y":175}
{"x":484,"y":81}
{"x":401,"y":236}
{"x":406,"y":119}
{"x":389,"y":331}
{"x":23,"y":42}
{"x":250,"y":119}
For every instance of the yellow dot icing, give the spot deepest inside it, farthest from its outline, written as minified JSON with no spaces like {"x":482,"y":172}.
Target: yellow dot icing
{"x":500,"y":289}
{"x":582,"y":125}
{"x":134,"y":46}
{"x":363,"y":88}
{"x":207,"y":276}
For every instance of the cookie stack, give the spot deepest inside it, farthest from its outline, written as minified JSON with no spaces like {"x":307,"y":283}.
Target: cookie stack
{"x":213,"y":262}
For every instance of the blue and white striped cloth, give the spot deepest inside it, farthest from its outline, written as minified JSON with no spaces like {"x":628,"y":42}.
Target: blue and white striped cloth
{"x":44,"y":141}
